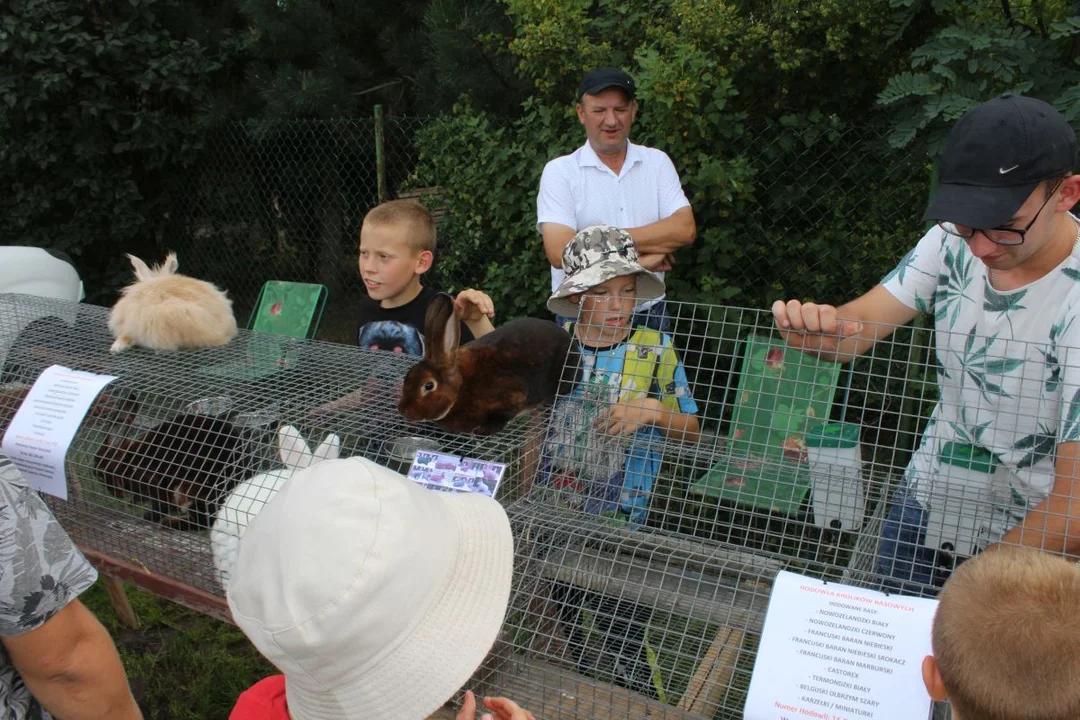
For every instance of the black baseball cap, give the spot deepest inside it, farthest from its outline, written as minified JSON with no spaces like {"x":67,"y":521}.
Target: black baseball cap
{"x":604,"y":78}
{"x":995,"y":157}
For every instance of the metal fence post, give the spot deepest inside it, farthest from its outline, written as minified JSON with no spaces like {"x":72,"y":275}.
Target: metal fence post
{"x":380,"y":153}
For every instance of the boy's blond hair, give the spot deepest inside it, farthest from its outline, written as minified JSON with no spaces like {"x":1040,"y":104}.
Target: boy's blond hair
{"x":1006,"y":637}
{"x":417,"y":220}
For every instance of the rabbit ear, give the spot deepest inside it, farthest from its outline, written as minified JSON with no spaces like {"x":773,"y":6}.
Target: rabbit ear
{"x":328,"y":449}
{"x":142,"y":272}
{"x":171,"y":265}
{"x":442,"y":330}
{"x":292,"y":449}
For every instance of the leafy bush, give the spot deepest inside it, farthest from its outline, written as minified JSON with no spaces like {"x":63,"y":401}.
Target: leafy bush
{"x":488,"y":171}
{"x":97,"y":125}
{"x":978,"y":52}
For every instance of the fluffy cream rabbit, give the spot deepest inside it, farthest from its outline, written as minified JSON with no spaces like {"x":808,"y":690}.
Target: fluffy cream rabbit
{"x":162,"y":310}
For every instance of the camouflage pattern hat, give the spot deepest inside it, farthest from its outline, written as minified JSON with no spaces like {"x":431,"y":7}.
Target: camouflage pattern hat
{"x":596,"y":255}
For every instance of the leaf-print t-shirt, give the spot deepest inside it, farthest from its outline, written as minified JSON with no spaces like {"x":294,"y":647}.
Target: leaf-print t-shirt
{"x":41,"y":571}
{"x":1008,"y":371}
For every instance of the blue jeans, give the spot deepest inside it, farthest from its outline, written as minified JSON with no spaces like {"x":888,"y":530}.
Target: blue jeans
{"x":902,"y":557}
{"x":654,"y":317}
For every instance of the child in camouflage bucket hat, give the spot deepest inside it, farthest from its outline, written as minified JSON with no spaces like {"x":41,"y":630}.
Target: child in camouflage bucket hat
{"x":602,"y":455}
{"x":595,"y":256}
{"x":633,"y":387}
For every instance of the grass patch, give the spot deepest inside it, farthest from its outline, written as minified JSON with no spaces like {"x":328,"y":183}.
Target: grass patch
{"x":182,"y":665}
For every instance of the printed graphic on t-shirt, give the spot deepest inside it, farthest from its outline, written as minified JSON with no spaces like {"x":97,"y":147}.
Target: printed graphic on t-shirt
{"x":393,"y":336}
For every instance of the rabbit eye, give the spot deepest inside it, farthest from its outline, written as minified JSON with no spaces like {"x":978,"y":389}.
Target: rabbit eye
{"x":429,"y":386}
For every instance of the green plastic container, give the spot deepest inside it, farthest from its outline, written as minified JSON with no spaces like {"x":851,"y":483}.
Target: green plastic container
{"x":832,"y":435}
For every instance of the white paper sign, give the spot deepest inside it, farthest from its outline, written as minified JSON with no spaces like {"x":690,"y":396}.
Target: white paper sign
{"x":437,"y":471}
{"x":39,"y":435}
{"x":837,"y":652}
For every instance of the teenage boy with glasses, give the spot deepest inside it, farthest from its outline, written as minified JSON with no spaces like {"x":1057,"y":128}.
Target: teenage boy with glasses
{"x":1000,"y":273}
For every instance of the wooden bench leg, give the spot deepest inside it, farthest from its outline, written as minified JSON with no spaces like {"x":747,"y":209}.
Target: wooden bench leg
{"x":121,"y":605}
{"x":710,"y":681}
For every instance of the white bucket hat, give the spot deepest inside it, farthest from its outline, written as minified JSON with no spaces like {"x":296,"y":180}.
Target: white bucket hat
{"x":595,"y":255}
{"x":374,"y":596}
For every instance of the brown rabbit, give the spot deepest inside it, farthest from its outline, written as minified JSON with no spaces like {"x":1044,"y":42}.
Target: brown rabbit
{"x":188,"y":462}
{"x":482,"y":386}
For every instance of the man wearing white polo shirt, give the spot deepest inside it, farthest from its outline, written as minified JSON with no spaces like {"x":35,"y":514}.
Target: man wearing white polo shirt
{"x":611,"y":181}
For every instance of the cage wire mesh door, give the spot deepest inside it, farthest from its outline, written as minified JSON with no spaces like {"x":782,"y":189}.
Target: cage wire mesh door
{"x":645,"y":548}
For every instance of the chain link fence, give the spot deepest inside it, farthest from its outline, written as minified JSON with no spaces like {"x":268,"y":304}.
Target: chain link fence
{"x":834,"y":210}
{"x":831,"y":210}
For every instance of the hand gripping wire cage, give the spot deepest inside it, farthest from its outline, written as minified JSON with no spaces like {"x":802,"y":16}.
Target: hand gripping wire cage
{"x":644,"y":556}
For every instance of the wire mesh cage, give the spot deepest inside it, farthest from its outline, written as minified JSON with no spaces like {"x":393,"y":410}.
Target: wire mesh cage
{"x":647,"y":547}
{"x":652,"y":506}
{"x":649,"y":541}
{"x":183,"y":443}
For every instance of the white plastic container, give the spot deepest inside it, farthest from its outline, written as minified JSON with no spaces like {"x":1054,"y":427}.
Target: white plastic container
{"x":835,"y":457}
{"x":960,"y":501}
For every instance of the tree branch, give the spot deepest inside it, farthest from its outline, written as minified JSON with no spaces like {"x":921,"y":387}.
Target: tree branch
{"x":490,"y":63}
{"x":1036,"y":5}
{"x":380,"y":86}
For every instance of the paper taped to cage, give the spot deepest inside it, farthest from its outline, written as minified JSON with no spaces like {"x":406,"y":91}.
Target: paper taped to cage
{"x":40,"y":433}
{"x":840,"y":652}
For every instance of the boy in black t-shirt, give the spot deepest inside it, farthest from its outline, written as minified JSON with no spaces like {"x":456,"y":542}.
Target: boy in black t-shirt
{"x":397,"y":245}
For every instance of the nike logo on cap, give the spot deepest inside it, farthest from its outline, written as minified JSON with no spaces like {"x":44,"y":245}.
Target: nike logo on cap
{"x":1007,"y":170}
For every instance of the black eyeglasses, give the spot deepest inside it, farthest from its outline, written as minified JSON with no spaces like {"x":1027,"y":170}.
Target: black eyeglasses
{"x":1001,"y":235}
